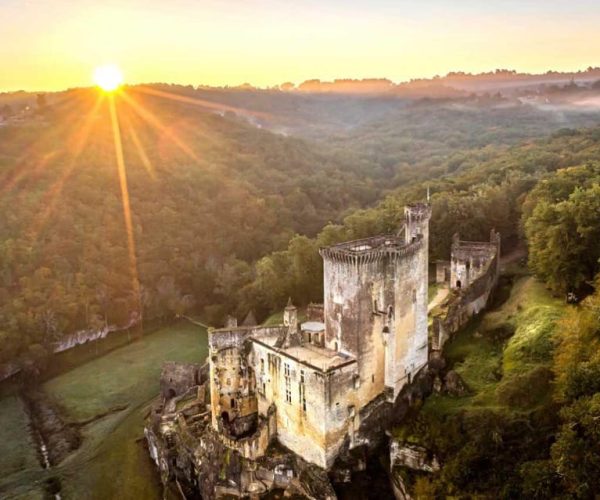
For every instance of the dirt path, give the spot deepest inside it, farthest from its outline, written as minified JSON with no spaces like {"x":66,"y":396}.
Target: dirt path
{"x":441,"y":294}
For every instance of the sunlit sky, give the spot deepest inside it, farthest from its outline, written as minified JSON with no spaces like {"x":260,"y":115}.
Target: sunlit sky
{"x":55,"y":44}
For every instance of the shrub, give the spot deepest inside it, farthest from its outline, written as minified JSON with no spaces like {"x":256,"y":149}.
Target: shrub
{"x":525,"y":390}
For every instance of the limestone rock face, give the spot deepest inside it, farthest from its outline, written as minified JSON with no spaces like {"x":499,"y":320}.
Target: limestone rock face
{"x":455,"y":385}
{"x":412,"y":457}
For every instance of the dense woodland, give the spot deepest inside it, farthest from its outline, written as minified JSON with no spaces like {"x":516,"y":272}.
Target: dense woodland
{"x":208,"y":194}
{"x":509,"y":189}
{"x":227,"y":217}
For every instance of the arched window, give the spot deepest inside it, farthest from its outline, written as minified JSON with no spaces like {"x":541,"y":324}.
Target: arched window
{"x":458,"y":284}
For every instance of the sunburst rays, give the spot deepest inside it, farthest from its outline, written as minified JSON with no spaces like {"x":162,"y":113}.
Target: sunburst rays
{"x":140,"y":149}
{"x":122,"y":173}
{"x":79,"y":141}
{"x":155,"y":122}
{"x":127,"y":114}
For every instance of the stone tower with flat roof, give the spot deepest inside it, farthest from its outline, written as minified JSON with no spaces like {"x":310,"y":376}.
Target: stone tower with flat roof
{"x":375,"y":303}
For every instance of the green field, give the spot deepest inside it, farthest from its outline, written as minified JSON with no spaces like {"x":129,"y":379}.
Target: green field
{"x":17,"y":451}
{"x":112,"y":461}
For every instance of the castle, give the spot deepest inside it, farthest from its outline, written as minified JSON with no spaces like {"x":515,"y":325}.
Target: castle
{"x":308,"y":384}
{"x":328,"y":388}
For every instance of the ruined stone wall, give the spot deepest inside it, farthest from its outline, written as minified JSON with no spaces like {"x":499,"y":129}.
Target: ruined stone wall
{"x":232,"y":380}
{"x":177,"y":378}
{"x":470,"y":259}
{"x":464,"y":303}
{"x":255,"y":445}
{"x":468,"y":264}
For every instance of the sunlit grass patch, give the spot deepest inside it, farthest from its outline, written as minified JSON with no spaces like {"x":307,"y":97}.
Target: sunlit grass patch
{"x":274,"y":319}
{"x":526,"y":292}
{"x":128,"y":374}
{"x":277,"y":318}
{"x":532,"y":342}
{"x":113,"y":461}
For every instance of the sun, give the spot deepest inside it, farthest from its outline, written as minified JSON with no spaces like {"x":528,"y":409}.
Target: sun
{"x":108,"y":77}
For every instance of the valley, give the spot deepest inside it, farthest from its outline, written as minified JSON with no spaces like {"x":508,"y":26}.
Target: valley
{"x":112,"y":460}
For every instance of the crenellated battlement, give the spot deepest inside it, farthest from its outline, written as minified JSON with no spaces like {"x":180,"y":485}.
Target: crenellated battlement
{"x":371,"y":249}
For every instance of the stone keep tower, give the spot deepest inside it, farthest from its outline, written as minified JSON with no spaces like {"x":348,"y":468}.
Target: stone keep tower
{"x":375,"y":304}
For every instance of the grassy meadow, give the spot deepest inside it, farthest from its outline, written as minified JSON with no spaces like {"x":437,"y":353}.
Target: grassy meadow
{"x":112,"y":461}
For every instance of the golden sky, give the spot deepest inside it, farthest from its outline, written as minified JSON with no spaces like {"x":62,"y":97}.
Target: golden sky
{"x":56,"y":44}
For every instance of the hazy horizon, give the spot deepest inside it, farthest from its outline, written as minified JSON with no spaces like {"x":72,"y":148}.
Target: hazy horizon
{"x":54,"y":45}
{"x":91,"y":84}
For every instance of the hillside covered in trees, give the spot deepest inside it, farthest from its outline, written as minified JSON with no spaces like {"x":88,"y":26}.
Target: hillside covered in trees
{"x":225,"y":216}
{"x":156,"y":204}
{"x":206,"y":195}
{"x":512,"y":189}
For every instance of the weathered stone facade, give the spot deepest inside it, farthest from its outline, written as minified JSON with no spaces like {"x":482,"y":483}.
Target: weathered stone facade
{"x":442,"y":271}
{"x":177,"y":378}
{"x":320,"y":375}
{"x":201,"y":460}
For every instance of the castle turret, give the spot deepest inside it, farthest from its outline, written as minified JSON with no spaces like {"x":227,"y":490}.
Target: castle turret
{"x":290,"y":316}
{"x":416,"y":220}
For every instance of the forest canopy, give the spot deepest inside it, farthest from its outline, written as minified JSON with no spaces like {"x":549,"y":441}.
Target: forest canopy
{"x":227,"y":217}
